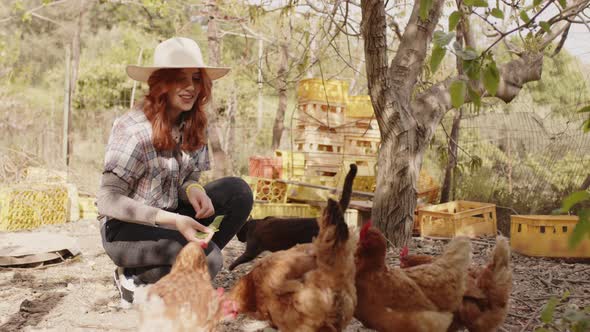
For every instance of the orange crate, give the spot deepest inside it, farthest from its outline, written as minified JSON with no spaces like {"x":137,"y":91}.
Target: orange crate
{"x":265,"y":167}
{"x":546,"y":236}
{"x":458,"y":218}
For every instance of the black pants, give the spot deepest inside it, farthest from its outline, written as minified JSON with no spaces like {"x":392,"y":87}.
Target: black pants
{"x":150,"y":251}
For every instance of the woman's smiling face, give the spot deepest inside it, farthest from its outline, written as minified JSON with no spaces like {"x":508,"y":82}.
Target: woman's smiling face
{"x":184,"y":91}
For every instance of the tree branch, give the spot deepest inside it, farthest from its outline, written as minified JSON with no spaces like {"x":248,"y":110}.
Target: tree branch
{"x":409,"y":60}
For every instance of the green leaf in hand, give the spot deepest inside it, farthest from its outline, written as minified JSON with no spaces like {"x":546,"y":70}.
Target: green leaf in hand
{"x":214,"y":226}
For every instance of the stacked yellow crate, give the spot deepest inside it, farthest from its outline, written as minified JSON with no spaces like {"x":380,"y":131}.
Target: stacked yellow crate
{"x":28,"y":206}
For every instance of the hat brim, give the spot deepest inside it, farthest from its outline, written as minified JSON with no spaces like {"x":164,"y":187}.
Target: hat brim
{"x":142,"y":74}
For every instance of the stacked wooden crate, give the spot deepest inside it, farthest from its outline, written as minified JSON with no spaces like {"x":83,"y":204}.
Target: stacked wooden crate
{"x":321,"y":107}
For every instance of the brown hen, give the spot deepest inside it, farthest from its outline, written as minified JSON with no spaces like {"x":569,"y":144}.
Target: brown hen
{"x":184,"y":300}
{"x":419,"y":299}
{"x":485,"y":302}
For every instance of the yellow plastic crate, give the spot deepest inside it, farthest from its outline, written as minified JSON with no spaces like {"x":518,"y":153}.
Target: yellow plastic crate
{"x":263,"y":210}
{"x":267,"y":189}
{"x":293,"y":164}
{"x":546,"y":236}
{"x":359,"y":107}
{"x":325,"y":91}
{"x":88,"y":209}
{"x":28,"y":206}
{"x":458,"y":218}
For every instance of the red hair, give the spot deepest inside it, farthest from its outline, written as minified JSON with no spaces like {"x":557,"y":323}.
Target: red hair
{"x":195,"y":120}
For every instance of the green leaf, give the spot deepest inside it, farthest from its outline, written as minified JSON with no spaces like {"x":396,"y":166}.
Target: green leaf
{"x":491,"y":78}
{"x":581,"y":230}
{"x":563,"y":3}
{"x":537,"y":2}
{"x":27,"y":17}
{"x":216,"y":222}
{"x":497,"y":13}
{"x":547,"y":313}
{"x":472,"y":69}
{"x":425,"y":6}
{"x":214,"y":225}
{"x":524,"y":16}
{"x":586,"y":126}
{"x":475,"y":97}
{"x":454,"y":20}
{"x":584,"y":109}
{"x":467,"y":54}
{"x":545,"y":26}
{"x":457,"y":90}
{"x":574,"y":199}
{"x":438,"y":54}
{"x":476,"y":3}
{"x":441,"y":38}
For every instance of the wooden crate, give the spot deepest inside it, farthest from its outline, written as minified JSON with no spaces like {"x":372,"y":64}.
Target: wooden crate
{"x":367,"y":166}
{"x":352,"y":218}
{"x":325,"y":91}
{"x":361,"y":145}
{"x":285,"y":210}
{"x":458,"y":218}
{"x":293,"y":164}
{"x":316,"y":113}
{"x":546,"y":236}
{"x":360,"y":127}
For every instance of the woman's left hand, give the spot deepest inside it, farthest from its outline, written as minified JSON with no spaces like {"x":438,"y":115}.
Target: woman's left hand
{"x":201,"y":203}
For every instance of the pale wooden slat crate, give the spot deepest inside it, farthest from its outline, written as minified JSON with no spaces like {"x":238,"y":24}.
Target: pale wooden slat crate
{"x":458,"y":218}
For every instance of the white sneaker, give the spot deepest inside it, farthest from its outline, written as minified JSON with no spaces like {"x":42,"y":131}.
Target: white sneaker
{"x":126,"y":287}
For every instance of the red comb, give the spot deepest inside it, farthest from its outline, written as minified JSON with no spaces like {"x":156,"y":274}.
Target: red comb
{"x":365,"y":229}
{"x":404,"y":251}
{"x":204,"y":245}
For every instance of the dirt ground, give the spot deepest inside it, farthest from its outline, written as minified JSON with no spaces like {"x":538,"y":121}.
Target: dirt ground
{"x":78,"y":294}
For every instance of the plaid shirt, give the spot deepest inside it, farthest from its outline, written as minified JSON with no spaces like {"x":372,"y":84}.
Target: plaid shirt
{"x":154,"y":177}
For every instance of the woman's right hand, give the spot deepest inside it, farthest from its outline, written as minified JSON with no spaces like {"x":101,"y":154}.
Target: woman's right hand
{"x":188,"y":227}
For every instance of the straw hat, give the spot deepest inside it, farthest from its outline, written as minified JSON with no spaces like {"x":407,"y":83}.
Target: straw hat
{"x":177,"y":52}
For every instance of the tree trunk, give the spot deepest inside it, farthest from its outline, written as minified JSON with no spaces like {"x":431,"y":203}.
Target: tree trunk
{"x":219,"y":156}
{"x":452,"y":156}
{"x":279,"y":125}
{"x":231,"y":132}
{"x":399,"y":163}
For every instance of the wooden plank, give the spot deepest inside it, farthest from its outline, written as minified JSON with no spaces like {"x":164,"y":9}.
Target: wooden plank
{"x":331,"y":189}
